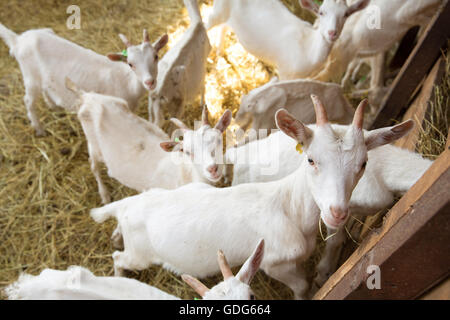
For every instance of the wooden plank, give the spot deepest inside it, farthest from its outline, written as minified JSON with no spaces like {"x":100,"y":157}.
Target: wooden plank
{"x":417,"y":112}
{"x":416,"y":67}
{"x":418,"y":108}
{"x":405,"y":48}
{"x":440,"y":292}
{"x":411,"y":248}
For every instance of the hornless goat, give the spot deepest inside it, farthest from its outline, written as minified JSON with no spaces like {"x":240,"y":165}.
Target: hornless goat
{"x":170,"y":227}
{"x":269,"y":31}
{"x":182,"y":70}
{"x":46,"y":59}
{"x":262,"y":103}
{"x":78,"y":283}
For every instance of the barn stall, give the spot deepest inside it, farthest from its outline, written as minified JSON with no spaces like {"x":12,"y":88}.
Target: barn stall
{"x":47,"y":187}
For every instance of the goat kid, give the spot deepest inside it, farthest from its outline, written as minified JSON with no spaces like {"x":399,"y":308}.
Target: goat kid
{"x":133,"y":149}
{"x":46,"y":59}
{"x":261,"y":104}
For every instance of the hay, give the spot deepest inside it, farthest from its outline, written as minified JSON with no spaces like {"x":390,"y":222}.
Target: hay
{"x":46,"y":186}
{"x":433,"y":134}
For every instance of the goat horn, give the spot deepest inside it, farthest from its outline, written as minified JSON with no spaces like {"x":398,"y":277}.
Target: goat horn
{"x":224,"y":266}
{"x":195,"y":284}
{"x":145,"y":36}
{"x":358,"y":118}
{"x":321,"y":113}
{"x":205,"y":114}
{"x":125,"y":40}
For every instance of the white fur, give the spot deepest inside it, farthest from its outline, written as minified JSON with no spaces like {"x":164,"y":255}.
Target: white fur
{"x":269,"y":31}
{"x":358,"y":41}
{"x":78,"y":283}
{"x":131,"y":149}
{"x":293,"y":95}
{"x":171,"y":227}
{"x":390,"y":172}
{"x":46,"y":59}
{"x":182,"y":70}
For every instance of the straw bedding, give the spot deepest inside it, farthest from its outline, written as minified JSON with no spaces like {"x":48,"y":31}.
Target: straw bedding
{"x":46,"y":185}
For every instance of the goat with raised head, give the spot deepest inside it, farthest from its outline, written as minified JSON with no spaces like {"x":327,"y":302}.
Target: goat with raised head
{"x":269,"y":31}
{"x":390,"y":172}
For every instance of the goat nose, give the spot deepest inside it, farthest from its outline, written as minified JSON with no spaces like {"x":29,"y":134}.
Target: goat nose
{"x":339,"y":213}
{"x":332,"y":33}
{"x":213,"y":169}
{"x":149,"y":83}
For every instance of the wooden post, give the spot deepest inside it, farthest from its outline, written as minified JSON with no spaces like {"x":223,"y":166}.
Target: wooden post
{"x":416,"y":67}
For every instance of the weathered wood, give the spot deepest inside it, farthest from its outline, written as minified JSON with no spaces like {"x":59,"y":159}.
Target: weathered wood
{"x":419,"y":107}
{"x":411,"y":248}
{"x":440,"y":292}
{"x":416,"y":111}
{"x":416,"y":67}
{"x":405,"y":48}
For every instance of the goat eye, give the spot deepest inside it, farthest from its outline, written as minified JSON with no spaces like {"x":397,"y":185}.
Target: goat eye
{"x":131,"y":65}
{"x":156,"y":57}
{"x":364,"y":165}
{"x":321,"y":13}
{"x":311,"y":162}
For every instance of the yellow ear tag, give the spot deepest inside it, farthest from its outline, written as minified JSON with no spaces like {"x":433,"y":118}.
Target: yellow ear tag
{"x":299,"y":148}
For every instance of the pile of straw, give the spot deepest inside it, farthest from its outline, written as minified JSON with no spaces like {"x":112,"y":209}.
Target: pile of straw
{"x":46,"y":186}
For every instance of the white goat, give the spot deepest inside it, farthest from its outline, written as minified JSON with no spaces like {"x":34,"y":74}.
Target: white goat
{"x":269,"y":31}
{"x":78,"y":283}
{"x":133,"y":149}
{"x":370,"y":33}
{"x":182,"y":70}
{"x":390,"y":172}
{"x":170,"y":227}
{"x":46,"y":59}
{"x":261,"y":103}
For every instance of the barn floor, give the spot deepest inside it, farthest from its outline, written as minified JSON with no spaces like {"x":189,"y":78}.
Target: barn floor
{"x":46,"y":186}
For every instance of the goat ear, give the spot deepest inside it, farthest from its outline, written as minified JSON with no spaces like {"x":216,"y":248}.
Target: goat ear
{"x":252,"y":264}
{"x":309,"y":5}
{"x":171,"y":146}
{"x":116,"y":57}
{"x":292,"y":127}
{"x":224,"y":121}
{"x":158,"y":45}
{"x":382,"y":136}
{"x":361,"y":4}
